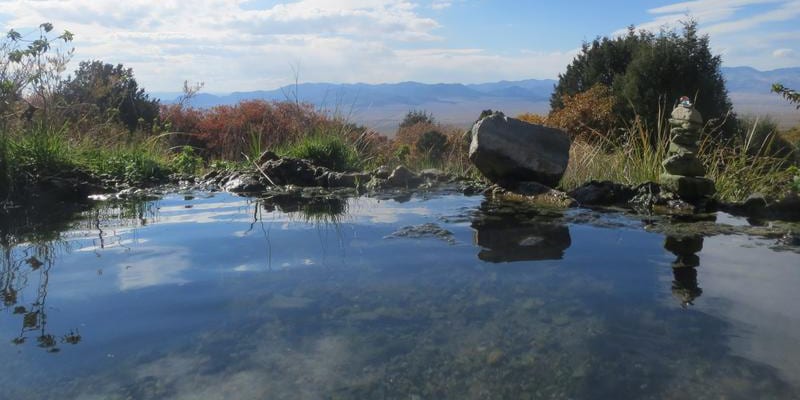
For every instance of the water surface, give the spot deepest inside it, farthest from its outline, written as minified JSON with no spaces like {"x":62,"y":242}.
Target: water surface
{"x":215,"y":296}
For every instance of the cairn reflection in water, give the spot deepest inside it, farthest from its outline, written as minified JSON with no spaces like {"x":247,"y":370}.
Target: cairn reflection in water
{"x":684,"y":286}
{"x":508,"y":234}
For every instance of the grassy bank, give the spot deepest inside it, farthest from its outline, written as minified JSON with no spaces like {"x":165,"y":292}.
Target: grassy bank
{"x":39,"y":151}
{"x":739,"y":168}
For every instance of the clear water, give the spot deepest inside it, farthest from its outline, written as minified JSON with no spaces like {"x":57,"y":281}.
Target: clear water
{"x":215,"y":296}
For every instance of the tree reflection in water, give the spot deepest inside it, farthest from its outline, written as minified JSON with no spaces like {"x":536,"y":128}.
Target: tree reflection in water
{"x":32,"y":239}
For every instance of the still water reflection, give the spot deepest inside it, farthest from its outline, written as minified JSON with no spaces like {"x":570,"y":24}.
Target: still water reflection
{"x":214,"y":296}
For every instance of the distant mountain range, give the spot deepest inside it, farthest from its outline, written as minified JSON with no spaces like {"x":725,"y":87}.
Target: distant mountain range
{"x":382,"y":106}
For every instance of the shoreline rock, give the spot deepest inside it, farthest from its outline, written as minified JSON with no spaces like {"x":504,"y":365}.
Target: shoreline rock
{"x":508,"y":151}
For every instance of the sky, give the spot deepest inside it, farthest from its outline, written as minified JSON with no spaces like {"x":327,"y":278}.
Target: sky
{"x":242,"y":45}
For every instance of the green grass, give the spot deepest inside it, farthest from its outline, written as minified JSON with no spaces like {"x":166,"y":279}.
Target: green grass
{"x":134,"y":164}
{"x":328,"y":150}
{"x":37,"y":151}
{"x":633,"y":158}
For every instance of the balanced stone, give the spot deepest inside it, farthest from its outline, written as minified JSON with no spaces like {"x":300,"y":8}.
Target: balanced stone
{"x":677,"y":148}
{"x":688,"y":187}
{"x":686,"y":117}
{"x":685,"y":164}
{"x":686,"y":139}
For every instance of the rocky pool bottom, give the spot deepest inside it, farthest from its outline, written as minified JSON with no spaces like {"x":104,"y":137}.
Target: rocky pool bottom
{"x":415,"y":295}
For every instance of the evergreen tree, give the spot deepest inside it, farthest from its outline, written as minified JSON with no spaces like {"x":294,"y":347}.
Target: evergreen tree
{"x":113,"y":94}
{"x":648,"y":72}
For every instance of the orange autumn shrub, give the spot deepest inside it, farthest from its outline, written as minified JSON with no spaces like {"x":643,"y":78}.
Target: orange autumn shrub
{"x":532,"y":118}
{"x":587,"y":114}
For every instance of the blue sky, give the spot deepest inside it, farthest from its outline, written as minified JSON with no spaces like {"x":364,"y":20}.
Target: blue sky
{"x":234,"y":45}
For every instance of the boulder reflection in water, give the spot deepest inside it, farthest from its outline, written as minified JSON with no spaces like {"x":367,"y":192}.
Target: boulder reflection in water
{"x":511,"y":236}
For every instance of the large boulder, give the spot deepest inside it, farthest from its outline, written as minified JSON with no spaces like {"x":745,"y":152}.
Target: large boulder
{"x":507,"y":150}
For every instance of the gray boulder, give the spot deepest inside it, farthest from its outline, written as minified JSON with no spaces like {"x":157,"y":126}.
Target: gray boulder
{"x":403,"y":177}
{"x":507,"y":150}
{"x":244,"y":184}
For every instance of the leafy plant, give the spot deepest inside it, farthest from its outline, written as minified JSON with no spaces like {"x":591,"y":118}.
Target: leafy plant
{"x":792,"y":96}
{"x":186,"y":161}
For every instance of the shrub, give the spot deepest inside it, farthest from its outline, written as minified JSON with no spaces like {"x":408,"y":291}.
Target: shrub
{"x":432,"y":144}
{"x":534,"y":118}
{"x":415,"y":117}
{"x":186,"y":161}
{"x":647,"y":72}
{"x":586,"y":114}
{"x":228,"y":132}
{"x":402,"y":153}
{"x":104,"y":92}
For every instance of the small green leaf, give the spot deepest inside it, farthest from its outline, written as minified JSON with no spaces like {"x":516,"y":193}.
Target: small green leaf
{"x":14,"y":35}
{"x":67,"y":36}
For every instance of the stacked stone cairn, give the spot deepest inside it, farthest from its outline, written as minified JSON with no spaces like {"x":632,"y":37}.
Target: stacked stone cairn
{"x":684,"y":174}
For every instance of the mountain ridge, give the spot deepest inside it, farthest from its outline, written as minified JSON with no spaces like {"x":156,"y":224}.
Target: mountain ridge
{"x":382,"y":106}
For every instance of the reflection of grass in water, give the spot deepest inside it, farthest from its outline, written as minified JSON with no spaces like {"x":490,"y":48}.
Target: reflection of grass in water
{"x":317,"y":209}
{"x":323,"y":211}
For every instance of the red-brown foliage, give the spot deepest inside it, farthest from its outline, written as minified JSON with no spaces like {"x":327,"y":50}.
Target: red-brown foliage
{"x":229,"y":131}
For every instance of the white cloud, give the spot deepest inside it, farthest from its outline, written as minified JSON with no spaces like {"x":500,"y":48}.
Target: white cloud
{"x":736,"y":27}
{"x":782,"y":53}
{"x":227,"y":44}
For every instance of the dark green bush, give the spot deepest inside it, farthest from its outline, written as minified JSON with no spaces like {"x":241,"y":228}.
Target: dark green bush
{"x":648,"y":73}
{"x":432,"y":144}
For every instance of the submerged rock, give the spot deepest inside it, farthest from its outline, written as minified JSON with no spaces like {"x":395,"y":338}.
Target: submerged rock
{"x":428,"y":230}
{"x":533,"y":193}
{"x":509,"y":150}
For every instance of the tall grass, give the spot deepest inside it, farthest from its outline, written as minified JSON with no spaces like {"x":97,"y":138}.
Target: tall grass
{"x":739,"y":169}
{"x":39,"y":150}
{"x":329,"y":150}
{"x":632,"y":158}
{"x":759,"y":163}
{"x":133,"y":164}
